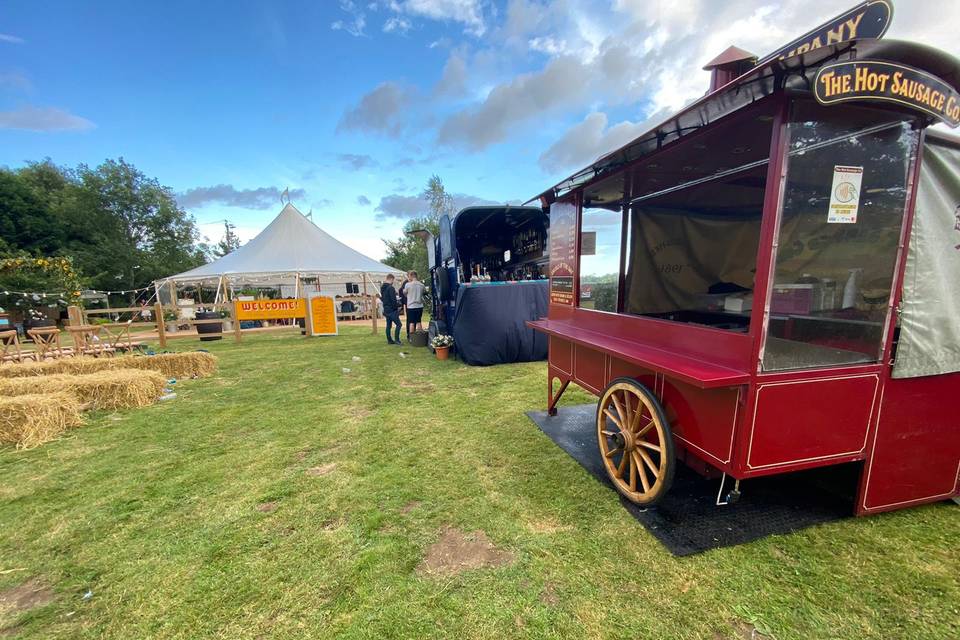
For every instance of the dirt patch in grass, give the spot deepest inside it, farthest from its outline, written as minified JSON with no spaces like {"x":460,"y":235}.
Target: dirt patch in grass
{"x":743,"y":631}
{"x":410,"y":506}
{"x":267,"y":507}
{"x":420,"y":385}
{"x":549,"y":595}
{"x":301,"y":455}
{"x":455,"y":552}
{"x":28,"y":595}
{"x":547,"y":525}
{"x":322,"y":470}
{"x":356,"y":413}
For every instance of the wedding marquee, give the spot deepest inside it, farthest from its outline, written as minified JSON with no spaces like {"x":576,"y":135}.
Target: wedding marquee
{"x":290,"y":252}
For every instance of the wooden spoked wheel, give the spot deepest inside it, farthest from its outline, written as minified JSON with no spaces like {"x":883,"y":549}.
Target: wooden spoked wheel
{"x":636,"y":444}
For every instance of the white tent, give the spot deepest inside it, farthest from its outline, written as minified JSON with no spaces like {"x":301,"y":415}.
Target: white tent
{"x":288,"y":250}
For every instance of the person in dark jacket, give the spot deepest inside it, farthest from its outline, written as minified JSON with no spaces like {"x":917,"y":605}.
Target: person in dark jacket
{"x":391,"y":308}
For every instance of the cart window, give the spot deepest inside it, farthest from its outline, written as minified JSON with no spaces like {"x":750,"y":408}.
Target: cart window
{"x":843,"y":205}
{"x":599,"y":258}
{"x":694,"y":225}
{"x":692,"y":253}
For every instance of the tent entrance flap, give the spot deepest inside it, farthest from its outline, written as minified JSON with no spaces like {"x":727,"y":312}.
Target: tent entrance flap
{"x":929,"y":342}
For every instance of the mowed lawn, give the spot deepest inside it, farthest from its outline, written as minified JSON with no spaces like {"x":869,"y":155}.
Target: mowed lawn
{"x":285,"y":498}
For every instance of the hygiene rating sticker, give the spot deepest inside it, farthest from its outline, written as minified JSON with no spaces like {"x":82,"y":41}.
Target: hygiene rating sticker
{"x":845,"y":195}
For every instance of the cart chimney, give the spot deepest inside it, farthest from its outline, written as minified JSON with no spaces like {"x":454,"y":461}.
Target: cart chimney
{"x":732,"y":63}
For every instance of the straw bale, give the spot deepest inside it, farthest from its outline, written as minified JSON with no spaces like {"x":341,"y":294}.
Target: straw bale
{"x":173,"y":365}
{"x":30,"y":420}
{"x":113,"y":389}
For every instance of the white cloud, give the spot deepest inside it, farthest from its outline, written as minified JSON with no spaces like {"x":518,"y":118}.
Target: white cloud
{"x":6,"y":37}
{"x":355,"y":24}
{"x":453,"y":81}
{"x":229,"y":196}
{"x":30,"y":118}
{"x":15,"y":82}
{"x":469,"y":13}
{"x":397,"y":24}
{"x":379,"y":111}
{"x":591,"y":138}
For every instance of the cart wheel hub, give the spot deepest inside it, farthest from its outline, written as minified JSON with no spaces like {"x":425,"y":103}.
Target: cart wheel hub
{"x":626,"y":440}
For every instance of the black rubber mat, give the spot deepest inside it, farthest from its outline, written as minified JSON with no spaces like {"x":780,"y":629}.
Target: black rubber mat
{"x":688,"y":520}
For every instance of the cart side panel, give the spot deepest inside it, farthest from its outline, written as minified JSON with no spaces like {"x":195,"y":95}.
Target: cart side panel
{"x":703,"y":421}
{"x":590,"y":368}
{"x":915,"y":456}
{"x":803,"y":423}
{"x":561,"y":355}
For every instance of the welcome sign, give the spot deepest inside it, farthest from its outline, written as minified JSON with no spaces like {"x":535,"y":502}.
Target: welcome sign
{"x":874,"y":80}
{"x":270,"y":309}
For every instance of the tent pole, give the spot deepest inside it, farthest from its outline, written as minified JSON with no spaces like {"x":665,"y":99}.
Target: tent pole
{"x":371,"y":305}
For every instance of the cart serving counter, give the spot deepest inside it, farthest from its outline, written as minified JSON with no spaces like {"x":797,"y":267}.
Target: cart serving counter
{"x":488,"y":275}
{"x":772,"y":274}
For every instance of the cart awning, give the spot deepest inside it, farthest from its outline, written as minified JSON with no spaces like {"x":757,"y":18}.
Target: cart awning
{"x":796,"y":73}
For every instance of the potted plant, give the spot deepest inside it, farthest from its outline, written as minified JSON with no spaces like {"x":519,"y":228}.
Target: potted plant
{"x":170,"y":320}
{"x":208,"y":328}
{"x":441,"y":344}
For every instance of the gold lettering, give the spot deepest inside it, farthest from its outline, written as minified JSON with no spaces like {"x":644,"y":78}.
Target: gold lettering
{"x":834,"y":36}
{"x":816,"y":44}
{"x":862,"y":76}
{"x":803,"y":48}
{"x":852,"y":25}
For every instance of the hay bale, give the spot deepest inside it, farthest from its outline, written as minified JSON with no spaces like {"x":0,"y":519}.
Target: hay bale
{"x":173,"y":365}
{"x":190,"y":364}
{"x":114,"y":389}
{"x":30,"y":420}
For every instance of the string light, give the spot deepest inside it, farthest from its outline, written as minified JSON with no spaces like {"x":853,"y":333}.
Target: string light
{"x":61,"y":294}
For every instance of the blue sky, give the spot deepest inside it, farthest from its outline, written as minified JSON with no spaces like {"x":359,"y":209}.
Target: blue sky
{"x":353,"y":105}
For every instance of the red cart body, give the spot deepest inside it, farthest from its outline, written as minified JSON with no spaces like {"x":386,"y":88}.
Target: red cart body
{"x":782,"y":357}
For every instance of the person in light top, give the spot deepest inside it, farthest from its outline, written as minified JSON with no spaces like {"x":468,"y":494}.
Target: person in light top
{"x":414,"y":291}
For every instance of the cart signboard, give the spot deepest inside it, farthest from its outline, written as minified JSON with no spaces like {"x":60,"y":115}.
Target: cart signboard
{"x":270,"y":309}
{"x":866,"y":20}
{"x":873,"y":80}
{"x":322,"y":318}
{"x":563,"y":252}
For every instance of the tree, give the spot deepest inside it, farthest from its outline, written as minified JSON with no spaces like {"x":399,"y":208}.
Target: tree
{"x":229,"y":243}
{"x":437,"y":197}
{"x":122,"y":229}
{"x":409,"y":253}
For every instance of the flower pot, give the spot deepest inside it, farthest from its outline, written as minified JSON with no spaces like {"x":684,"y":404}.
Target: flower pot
{"x":443,"y":353}
{"x":170,"y":327}
{"x":214,"y":327}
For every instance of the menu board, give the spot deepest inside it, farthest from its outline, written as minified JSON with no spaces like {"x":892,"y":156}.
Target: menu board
{"x":322,"y":316}
{"x":563,"y":252}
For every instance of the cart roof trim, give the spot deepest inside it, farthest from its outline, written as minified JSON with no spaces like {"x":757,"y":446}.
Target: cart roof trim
{"x":795,"y":73}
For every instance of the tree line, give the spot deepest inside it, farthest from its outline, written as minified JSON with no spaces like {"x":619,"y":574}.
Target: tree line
{"x":122,"y":228}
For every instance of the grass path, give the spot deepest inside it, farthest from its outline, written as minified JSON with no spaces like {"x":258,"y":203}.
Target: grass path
{"x":156,"y":513}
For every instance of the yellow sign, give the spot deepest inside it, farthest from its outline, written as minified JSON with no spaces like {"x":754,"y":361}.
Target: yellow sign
{"x":323,"y":316}
{"x":270,"y":309}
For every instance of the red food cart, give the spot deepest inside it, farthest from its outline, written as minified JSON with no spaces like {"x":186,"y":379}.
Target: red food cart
{"x":773,"y":274}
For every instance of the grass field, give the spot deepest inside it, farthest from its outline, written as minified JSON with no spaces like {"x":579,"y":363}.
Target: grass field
{"x":284,"y":498}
